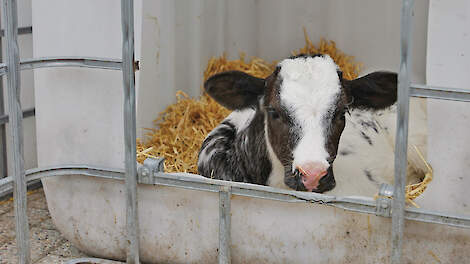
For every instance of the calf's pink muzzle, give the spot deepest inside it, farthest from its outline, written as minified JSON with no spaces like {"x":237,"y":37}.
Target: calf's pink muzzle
{"x":312,"y":172}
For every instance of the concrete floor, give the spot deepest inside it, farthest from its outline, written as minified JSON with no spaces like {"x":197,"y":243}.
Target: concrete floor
{"x":47,"y":244}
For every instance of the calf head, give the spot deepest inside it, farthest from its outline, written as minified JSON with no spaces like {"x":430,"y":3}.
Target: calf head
{"x":304,"y":102}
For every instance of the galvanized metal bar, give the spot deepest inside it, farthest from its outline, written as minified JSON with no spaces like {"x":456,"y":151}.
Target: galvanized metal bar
{"x":6,"y":184}
{"x":88,"y":62}
{"x":92,"y":260}
{"x":86,"y":170}
{"x":21,"y":31}
{"x":8,"y":189}
{"x":224,"y":225}
{"x":127,"y":18}
{"x":16,"y":131}
{"x":420,"y":215}
{"x":443,"y":93}
{"x":26,"y":113}
{"x":49,"y":62}
{"x":3,"y":137}
{"x":401,"y":139}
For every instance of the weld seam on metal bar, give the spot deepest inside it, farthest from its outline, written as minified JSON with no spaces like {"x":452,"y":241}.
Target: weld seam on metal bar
{"x":26,"y":113}
{"x":3,"y":69}
{"x":132,"y":221}
{"x":224,"y":225}
{"x":21,"y":31}
{"x":443,"y":93}
{"x":16,"y":131}
{"x":401,"y":138}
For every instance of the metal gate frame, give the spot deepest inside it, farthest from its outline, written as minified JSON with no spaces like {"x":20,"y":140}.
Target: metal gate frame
{"x":4,"y":117}
{"x":150,"y":172}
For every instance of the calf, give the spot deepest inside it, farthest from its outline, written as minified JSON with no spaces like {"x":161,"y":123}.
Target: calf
{"x":285,"y":130}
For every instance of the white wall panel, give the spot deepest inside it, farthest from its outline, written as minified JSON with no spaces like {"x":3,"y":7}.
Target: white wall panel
{"x":180,"y":36}
{"x":79,"y":111}
{"x":449,"y":122}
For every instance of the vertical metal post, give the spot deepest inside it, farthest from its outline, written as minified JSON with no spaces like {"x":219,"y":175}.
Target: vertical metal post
{"x":3,"y":138}
{"x":401,"y":140}
{"x":132,"y":222}
{"x":16,"y":131}
{"x":224,"y":224}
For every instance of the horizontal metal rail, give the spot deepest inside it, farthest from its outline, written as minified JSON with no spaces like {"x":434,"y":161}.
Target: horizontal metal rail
{"x":6,"y":191}
{"x":195,"y":182}
{"x":444,"y":93}
{"x":21,"y":31}
{"x":26,"y":113}
{"x":92,"y":260}
{"x":416,"y":90}
{"x":426,"y":216}
{"x":6,"y":183}
{"x":88,"y":62}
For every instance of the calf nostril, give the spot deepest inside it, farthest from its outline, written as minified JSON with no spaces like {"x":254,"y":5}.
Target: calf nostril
{"x":299,"y":172}
{"x":298,"y":179}
{"x":296,"y":172}
{"x":310,"y":172}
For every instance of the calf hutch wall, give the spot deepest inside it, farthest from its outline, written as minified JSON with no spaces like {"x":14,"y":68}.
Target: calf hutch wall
{"x":79,"y":121}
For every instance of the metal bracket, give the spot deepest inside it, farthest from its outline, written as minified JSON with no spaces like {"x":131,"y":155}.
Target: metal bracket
{"x":146,"y":171}
{"x":384,"y":201}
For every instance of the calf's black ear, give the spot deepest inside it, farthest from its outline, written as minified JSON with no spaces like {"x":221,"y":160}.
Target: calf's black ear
{"x":234,"y":89}
{"x":375,"y":91}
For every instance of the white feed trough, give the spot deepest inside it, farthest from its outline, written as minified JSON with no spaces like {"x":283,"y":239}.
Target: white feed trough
{"x":79,"y":121}
{"x":181,"y":226}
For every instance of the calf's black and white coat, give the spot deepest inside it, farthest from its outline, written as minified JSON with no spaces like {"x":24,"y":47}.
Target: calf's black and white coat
{"x":236,"y":149}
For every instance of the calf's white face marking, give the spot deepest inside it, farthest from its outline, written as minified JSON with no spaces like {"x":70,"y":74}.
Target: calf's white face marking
{"x":309,"y":90}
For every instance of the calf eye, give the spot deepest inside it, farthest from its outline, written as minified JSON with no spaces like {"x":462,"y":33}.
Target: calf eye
{"x":341,"y":113}
{"x":338,"y":114}
{"x":273,"y":113}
